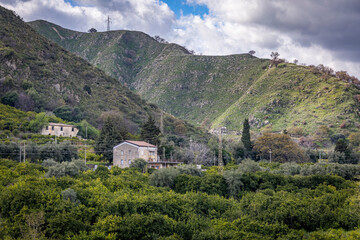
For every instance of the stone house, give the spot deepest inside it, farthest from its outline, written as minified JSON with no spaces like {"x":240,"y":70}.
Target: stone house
{"x":60,"y":130}
{"x":128,"y":150}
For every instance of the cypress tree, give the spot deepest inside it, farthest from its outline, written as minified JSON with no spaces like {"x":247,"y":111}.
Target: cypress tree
{"x":112,"y":133}
{"x":150,"y":132}
{"x":245,"y":138}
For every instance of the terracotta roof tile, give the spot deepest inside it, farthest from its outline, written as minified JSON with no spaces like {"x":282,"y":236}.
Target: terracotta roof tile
{"x":140,"y":143}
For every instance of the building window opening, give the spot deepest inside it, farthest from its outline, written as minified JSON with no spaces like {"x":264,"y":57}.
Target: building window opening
{"x":52,"y":128}
{"x":61,"y":128}
{"x":122,"y":152}
{"x":72,"y":129}
{"x":122,"y":162}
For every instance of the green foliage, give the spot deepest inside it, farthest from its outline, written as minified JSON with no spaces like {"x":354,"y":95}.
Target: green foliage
{"x":112,"y":133}
{"x":40,"y":121}
{"x":66,"y":169}
{"x":69,"y":114}
{"x":62,"y":152}
{"x":69,"y":194}
{"x":120,"y":204}
{"x":74,"y":90}
{"x":245,"y":137}
{"x":10,"y":98}
{"x":86,"y":130}
{"x":282,"y":147}
{"x":284,"y":97}
{"x":150,"y":132}
{"x":164,"y":177}
{"x":342,"y":148}
{"x":139,"y":163}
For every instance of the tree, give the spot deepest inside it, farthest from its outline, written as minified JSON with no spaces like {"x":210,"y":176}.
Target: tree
{"x":92,"y":30}
{"x":282,"y":148}
{"x":86,"y":130}
{"x":10,"y":98}
{"x":246,"y":138}
{"x":342,"y":147}
{"x":112,"y":133}
{"x":275,"y":59}
{"x":197,"y":153}
{"x":139,"y":163}
{"x":150,"y":132}
{"x":252,"y":52}
{"x":69,"y":113}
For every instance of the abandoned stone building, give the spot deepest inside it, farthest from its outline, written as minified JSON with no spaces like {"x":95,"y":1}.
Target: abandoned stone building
{"x":60,"y":130}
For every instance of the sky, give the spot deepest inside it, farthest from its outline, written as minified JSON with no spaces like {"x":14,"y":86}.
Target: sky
{"x":311,"y":31}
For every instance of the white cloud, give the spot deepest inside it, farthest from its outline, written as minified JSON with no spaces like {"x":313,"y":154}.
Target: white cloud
{"x":314,"y":32}
{"x":152,"y":17}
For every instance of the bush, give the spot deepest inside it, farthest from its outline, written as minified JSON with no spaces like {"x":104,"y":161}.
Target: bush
{"x":10,"y":98}
{"x":70,"y":194}
{"x":49,"y":163}
{"x":139,"y":163}
{"x":290,"y":169}
{"x":66,"y":169}
{"x":164,"y":177}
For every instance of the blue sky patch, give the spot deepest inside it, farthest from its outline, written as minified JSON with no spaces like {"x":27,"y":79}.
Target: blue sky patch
{"x":72,"y":2}
{"x":181,"y":7}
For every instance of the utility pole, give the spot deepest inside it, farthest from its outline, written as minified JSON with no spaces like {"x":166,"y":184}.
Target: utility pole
{"x":164,"y":154}
{"x":222,"y":130}
{"x":20,"y":152}
{"x":108,"y":23}
{"x":162,"y":122}
{"x":270,"y":154}
{"x":24,"y":151}
{"x":220,"y":150}
{"x":214,"y":158}
{"x":85,"y":143}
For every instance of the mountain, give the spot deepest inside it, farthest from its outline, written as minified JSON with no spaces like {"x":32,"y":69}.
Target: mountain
{"x":37,"y":74}
{"x":216,"y":90}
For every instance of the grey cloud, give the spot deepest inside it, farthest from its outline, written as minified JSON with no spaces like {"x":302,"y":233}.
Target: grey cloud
{"x":334,"y":25}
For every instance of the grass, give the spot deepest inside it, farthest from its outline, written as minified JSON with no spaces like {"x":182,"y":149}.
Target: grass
{"x":222,"y":89}
{"x":58,"y":77}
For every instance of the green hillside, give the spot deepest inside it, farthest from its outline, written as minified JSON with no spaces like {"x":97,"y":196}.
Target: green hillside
{"x":216,"y":90}
{"x":38,"y":75}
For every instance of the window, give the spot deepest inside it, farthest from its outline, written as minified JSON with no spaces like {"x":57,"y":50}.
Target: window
{"x":152,"y":153}
{"x":122,"y":152}
{"x":122,"y":162}
{"x":72,"y":129}
{"x":129,"y":161}
{"x":129,"y":152}
{"x":157,"y":167}
{"x":52,"y":128}
{"x":61,"y":128}
{"x":47,"y":127}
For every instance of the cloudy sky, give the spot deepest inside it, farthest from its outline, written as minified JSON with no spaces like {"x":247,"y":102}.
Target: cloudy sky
{"x":312,"y":31}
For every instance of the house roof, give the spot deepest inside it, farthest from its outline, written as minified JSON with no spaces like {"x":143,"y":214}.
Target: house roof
{"x":60,"y":124}
{"x":137,"y":144}
{"x":140,"y":143}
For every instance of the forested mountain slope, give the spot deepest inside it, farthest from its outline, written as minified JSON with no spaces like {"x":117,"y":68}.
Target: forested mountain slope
{"x":37,"y":74}
{"x":216,"y":90}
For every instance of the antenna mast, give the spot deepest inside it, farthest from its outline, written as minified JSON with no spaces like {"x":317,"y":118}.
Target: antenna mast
{"x":108,"y":23}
